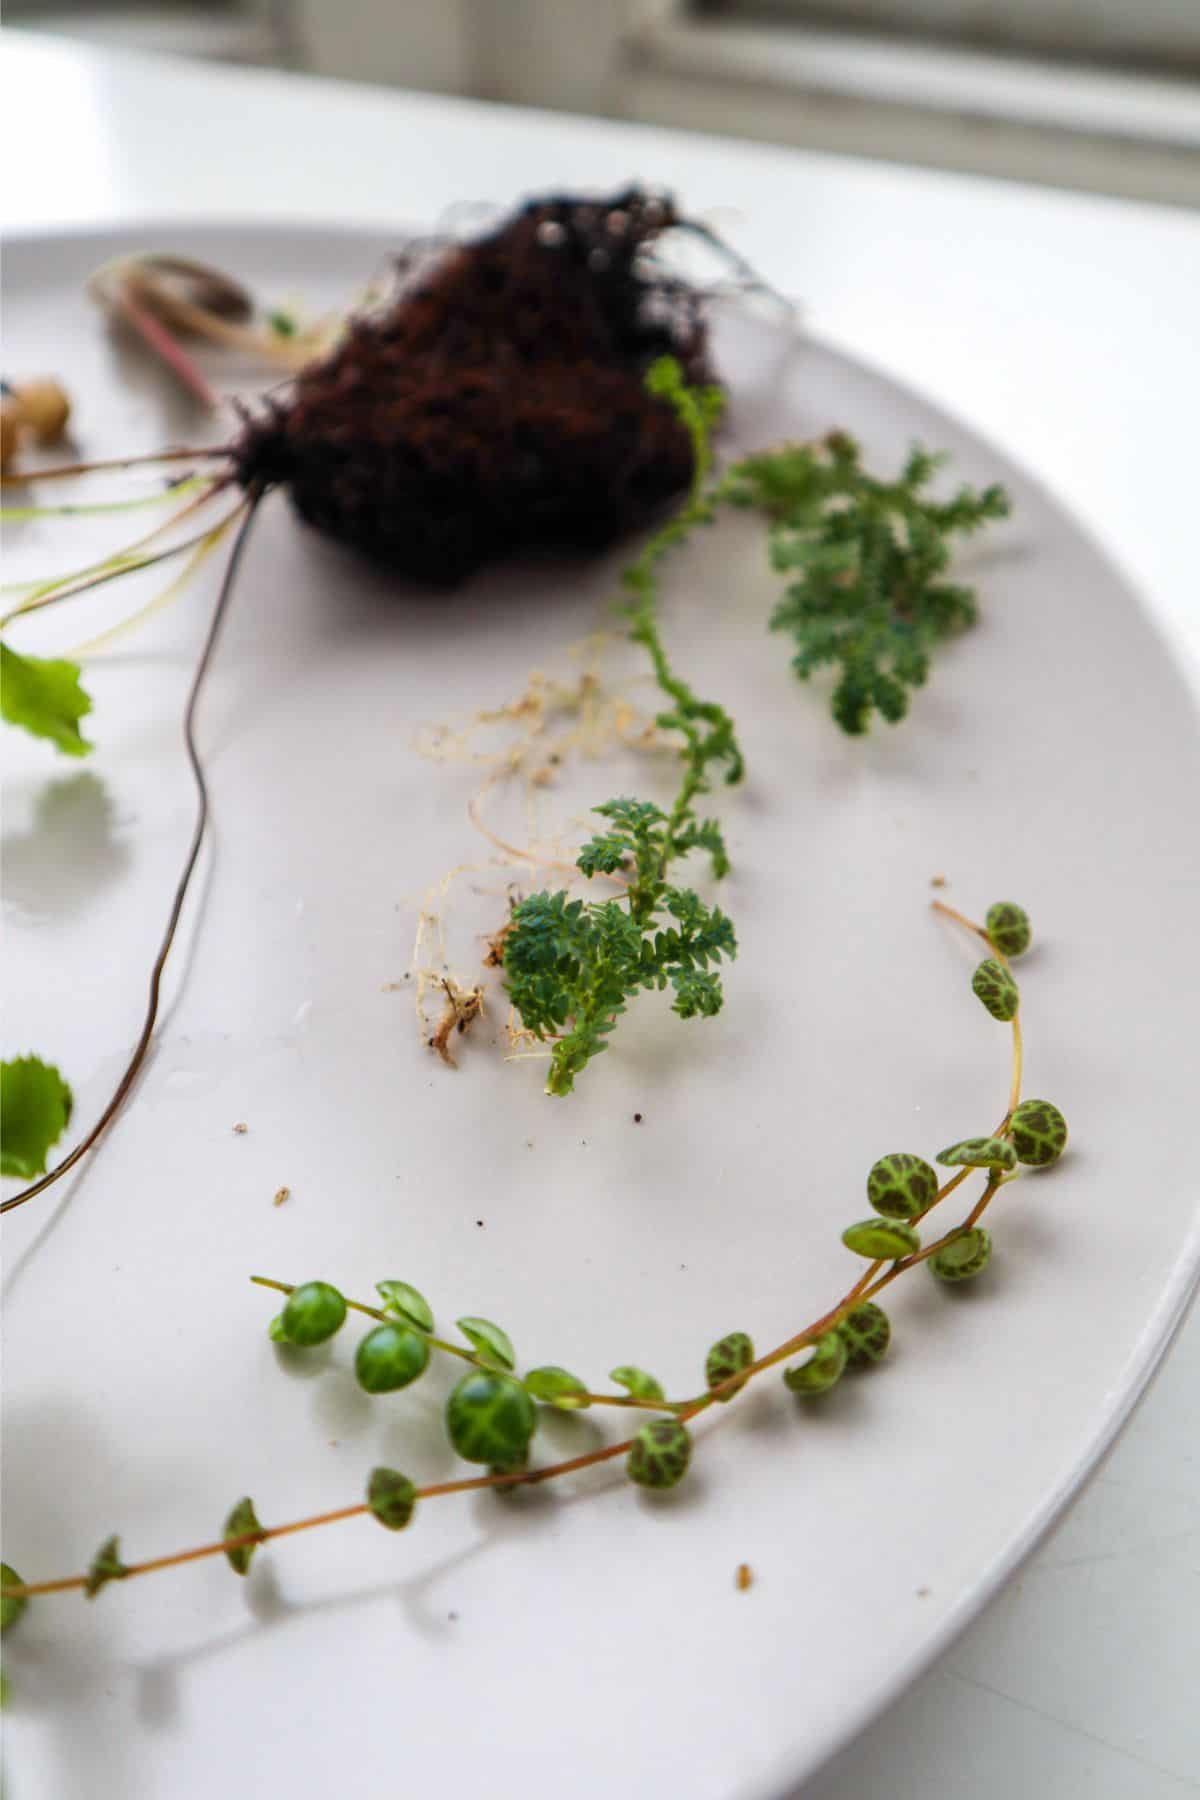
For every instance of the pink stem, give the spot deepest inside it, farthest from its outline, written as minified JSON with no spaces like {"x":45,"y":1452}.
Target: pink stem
{"x":159,"y":339}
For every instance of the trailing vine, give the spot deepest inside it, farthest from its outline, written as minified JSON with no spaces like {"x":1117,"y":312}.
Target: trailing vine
{"x":492,"y":1415}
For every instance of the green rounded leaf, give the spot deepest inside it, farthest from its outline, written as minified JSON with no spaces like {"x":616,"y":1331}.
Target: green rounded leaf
{"x":1008,"y":927}
{"x":35,"y":1110}
{"x":881,"y":1240}
{"x":405,"y":1302}
{"x":660,"y":1454}
{"x":314,"y":1311}
{"x":641,"y":1385}
{"x":11,"y":1605}
{"x":964,"y":1256}
{"x":823,"y":1368}
{"x":1039,"y":1133}
{"x":979,"y":1153}
{"x":866,"y":1333}
{"x":390,"y":1357}
{"x":901,"y":1185}
{"x":44,"y":696}
{"x":728,"y":1357}
{"x":106,"y":1566}
{"x":242,"y":1519}
{"x":492,"y":1345}
{"x":391,"y":1497}
{"x":995,"y":988}
{"x":490,"y":1418}
{"x":557,"y":1387}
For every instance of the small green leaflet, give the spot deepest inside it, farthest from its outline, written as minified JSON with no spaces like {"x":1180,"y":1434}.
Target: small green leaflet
{"x":240,"y":1523}
{"x":106,"y":1566}
{"x":402,"y":1301}
{"x":35,"y":1109}
{"x":493,"y":1345}
{"x":640,"y":1385}
{"x":557,"y":1387}
{"x":391,"y":1497}
{"x":11,"y":1605}
{"x":44,"y":696}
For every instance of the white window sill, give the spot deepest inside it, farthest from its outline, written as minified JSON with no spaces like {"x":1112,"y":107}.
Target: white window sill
{"x":991,"y":113}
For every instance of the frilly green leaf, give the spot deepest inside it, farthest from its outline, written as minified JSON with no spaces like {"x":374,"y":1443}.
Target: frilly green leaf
{"x":35,"y":1110}
{"x":43,"y":695}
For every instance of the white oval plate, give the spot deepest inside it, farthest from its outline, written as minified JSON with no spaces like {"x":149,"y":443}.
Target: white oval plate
{"x":590,"y":1640}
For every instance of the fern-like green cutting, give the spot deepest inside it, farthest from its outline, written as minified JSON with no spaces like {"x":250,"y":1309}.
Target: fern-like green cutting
{"x":866,"y":560}
{"x":572,"y":966}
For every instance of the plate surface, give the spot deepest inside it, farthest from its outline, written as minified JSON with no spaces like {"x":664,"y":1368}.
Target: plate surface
{"x":588,"y":1639}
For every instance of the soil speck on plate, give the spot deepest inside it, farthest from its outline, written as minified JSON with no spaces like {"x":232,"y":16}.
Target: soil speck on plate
{"x":744,"y":1577}
{"x":282,"y":1194}
{"x":241,"y":1128}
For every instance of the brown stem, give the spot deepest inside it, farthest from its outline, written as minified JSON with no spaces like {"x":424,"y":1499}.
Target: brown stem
{"x":159,"y":341}
{"x":952,"y":912}
{"x":140,"y":1049}
{"x":111,"y":462}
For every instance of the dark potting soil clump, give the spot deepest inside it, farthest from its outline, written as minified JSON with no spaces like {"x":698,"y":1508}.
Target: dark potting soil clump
{"x":498,"y":402}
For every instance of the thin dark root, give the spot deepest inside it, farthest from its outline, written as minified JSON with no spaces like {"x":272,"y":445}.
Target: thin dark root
{"x":112,"y":462}
{"x":164,"y":950}
{"x":748,"y":276}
